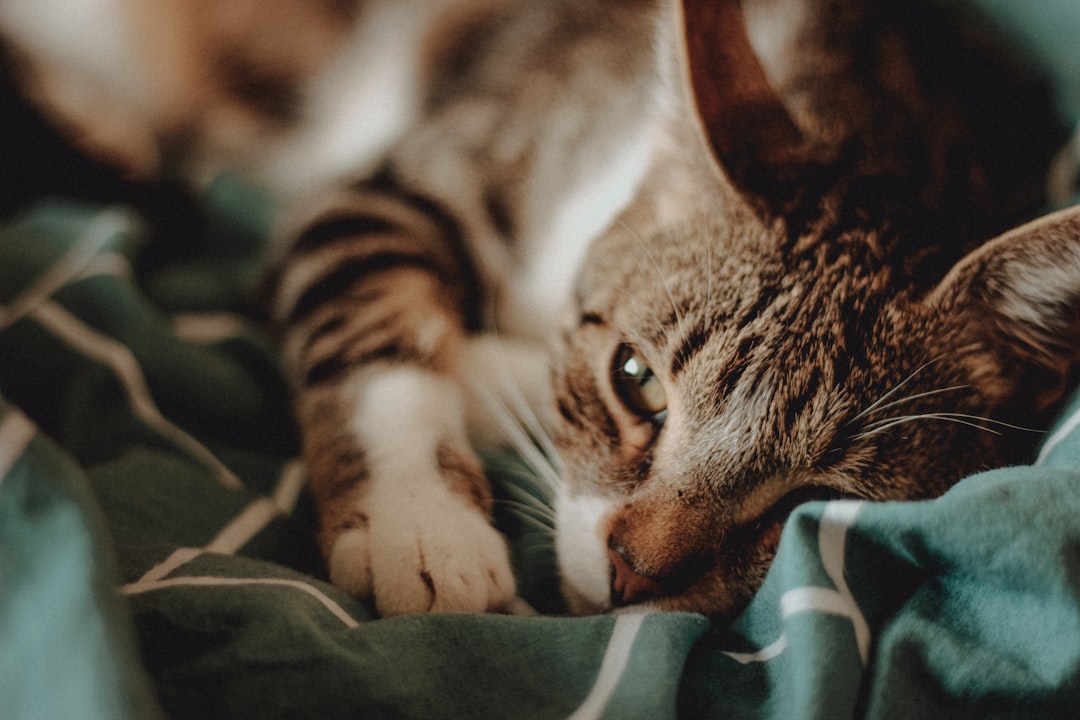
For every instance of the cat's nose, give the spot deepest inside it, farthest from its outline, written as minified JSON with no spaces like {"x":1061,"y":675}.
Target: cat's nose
{"x":627,"y":585}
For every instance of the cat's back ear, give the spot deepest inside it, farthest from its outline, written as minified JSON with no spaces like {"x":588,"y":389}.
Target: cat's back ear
{"x":751,"y":133}
{"x":1014,"y":309}
{"x":742,"y":115}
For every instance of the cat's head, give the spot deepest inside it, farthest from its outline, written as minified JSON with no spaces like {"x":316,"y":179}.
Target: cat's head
{"x":704,"y":393}
{"x":720,"y":371}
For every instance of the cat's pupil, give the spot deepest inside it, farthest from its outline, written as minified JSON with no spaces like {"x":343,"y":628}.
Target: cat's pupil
{"x":637,"y":386}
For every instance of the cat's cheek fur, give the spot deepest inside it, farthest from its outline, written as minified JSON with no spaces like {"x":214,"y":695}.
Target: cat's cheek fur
{"x":427,"y":544}
{"x":580,"y":543}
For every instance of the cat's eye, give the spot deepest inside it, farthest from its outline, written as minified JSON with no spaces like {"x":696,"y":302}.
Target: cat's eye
{"x":637,"y":385}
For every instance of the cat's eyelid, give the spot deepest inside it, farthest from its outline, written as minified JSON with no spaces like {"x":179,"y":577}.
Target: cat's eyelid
{"x":592,"y":318}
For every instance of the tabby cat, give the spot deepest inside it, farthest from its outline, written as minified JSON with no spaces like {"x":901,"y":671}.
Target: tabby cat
{"x":731,"y":252}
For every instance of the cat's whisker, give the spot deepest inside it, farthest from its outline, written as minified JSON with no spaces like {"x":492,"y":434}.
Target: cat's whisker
{"x":546,"y":546}
{"x":535,"y":512}
{"x":917,"y":396}
{"x":537,"y":542}
{"x":539,"y":503}
{"x":519,"y":439}
{"x":974,"y":421}
{"x":911,"y":418}
{"x":965,"y":416}
{"x":518,"y":415}
{"x":535,"y":509}
{"x":540,"y":525}
{"x":877,"y":404}
{"x":526,"y":503}
{"x":535,"y":523}
{"x":539,"y":433}
{"x":523,"y":444}
{"x":526,"y":414}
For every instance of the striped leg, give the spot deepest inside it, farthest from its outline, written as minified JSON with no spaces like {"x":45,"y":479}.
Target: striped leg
{"x":372,"y":297}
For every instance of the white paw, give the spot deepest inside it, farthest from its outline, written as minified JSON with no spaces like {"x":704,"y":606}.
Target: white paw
{"x":438,"y":554}
{"x":349,"y":563}
{"x":425,"y":543}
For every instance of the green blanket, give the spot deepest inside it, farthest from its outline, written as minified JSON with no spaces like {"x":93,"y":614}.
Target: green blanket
{"x":157,"y":554}
{"x":160,"y":460}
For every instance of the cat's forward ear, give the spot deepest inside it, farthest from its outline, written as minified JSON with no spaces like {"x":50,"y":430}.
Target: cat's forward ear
{"x":1014,"y":304}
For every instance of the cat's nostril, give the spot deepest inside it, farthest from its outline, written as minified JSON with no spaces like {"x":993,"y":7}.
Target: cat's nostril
{"x":627,"y":585}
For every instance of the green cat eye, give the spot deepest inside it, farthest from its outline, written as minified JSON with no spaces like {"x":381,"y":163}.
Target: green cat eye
{"x":637,"y":386}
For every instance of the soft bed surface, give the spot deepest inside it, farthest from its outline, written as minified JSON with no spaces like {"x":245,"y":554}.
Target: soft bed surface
{"x":145,"y":445}
{"x":157,"y":555}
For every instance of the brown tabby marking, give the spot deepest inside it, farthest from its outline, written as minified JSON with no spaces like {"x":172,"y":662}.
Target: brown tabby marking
{"x":777,"y":209}
{"x":809,"y":335}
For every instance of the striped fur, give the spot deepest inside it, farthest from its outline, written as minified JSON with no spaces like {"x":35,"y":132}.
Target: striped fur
{"x":832,"y":325}
{"x":779,"y":208}
{"x":402,"y":267}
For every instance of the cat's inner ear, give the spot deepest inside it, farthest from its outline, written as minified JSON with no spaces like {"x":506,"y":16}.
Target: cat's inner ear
{"x":1016,"y":306}
{"x":741,"y":111}
{"x":752,"y":134}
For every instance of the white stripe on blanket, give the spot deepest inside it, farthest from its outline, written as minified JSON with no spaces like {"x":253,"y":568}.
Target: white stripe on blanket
{"x":291,"y":483}
{"x":80,"y":336}
{"x":766,"y":653}
{"x":99,"y":231}
{"x":206,"y":328}
{"x":836,"y":519}
{"x":237,"y":532}
{"x":612,"y":666}
{"x":335,"y":609}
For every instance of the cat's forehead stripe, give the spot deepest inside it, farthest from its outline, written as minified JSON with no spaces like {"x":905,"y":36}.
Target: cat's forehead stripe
{"x":592,"y":318}
{"x":694,"y":341}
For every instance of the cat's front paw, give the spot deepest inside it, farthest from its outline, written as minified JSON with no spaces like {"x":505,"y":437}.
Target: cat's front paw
{"x":438,"y":553}
{"x":410,"y":528}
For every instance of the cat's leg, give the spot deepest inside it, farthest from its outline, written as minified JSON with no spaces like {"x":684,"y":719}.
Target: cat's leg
{"x":403,"y":501}
{"x":372,"y":298}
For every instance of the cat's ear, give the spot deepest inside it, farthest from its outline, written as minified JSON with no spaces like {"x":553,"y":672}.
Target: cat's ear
{"x":1014,"y":306}
{"x":741,"y":113}
{"x":753,"y":137}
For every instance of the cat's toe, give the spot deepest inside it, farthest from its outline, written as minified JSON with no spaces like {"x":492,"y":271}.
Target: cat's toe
{"x":476,"y":577}
{"x":451,"y":561}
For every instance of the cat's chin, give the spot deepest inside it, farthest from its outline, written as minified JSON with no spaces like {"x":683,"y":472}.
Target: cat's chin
{"x":582,"y":551}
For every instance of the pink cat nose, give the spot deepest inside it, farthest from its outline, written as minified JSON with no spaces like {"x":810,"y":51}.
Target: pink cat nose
{"x":627,"y":585}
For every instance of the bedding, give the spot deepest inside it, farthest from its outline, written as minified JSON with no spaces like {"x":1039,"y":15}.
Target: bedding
{"x":157,"y":556}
